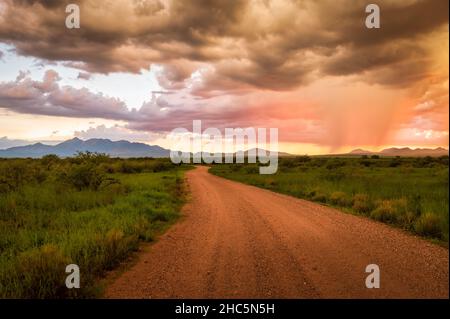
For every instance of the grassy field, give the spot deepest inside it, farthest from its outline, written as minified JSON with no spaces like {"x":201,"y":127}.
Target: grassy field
{"x":90,"y":210}
{"x":411,"y":193}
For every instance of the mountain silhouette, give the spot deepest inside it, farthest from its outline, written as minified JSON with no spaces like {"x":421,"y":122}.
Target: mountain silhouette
{"x":71,"y":147}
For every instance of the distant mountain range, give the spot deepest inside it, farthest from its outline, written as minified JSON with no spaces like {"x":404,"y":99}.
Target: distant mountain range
{"x":71,"y":147}
{"x":129,"y":149}
{"x":404,"y":151}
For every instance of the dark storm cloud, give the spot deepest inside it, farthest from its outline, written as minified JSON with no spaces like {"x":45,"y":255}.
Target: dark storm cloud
{"x":275,"y":45}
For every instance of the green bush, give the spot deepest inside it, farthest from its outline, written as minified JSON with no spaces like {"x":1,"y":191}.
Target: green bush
{"x":319,"y":197}
{"x":362,"y":203}
{"x":429,"y":225}
{"x":384,"y":212}
{"x":340,"y":199}
{"x":84,"y":176}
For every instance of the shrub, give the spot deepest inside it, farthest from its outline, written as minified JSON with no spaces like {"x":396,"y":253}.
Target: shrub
{"x":429,"y":225}
{"x":407,"y":220}
{"x":394,"y":210}
{"x":311,"y":194}
{"x":400,"y":205}
{"x":160,"y":166}
{"x":319,"y":162}
{"x":128,"y":167}
{"x":443,"y":160}
{"x":362,"y":203}
{"x":384,"y":211}
{"x":160,"y":216}
{"x":405,"y":216}
{"x":365,"y":162}
{"x":340,"y":199}
{"x":91,"y":157}
{"x":49,"y":160}
{"x":288,"y":162}
{"x":395,"y":162}
{"x":333,"y":164}
{"x":84,"y":176}
{"x":319,"y":197}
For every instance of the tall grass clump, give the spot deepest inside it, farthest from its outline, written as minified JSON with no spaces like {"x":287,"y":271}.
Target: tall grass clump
{"x":430,"y":225}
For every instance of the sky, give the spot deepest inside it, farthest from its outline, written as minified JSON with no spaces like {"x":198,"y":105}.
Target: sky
{"x":137,"y":69}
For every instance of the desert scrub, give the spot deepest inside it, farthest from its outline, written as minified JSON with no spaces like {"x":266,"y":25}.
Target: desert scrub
{"x":362,"y":203}
{"x":319,"y":197}
{"x":48,"y":223}
{"x":430,"y":225}
{"x":384,"y":212}
{"x":340,"y":199}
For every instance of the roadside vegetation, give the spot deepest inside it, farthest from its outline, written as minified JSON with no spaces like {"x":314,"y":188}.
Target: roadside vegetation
{"x":411,"y":193}
{"x":90,"y":210}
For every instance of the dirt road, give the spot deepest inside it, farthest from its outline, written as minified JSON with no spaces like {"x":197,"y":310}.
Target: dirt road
{"x":239,"y":241}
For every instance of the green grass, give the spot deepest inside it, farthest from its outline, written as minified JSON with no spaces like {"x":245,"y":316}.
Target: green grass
{"x":49,"y":222}
{"x":411,"y":193}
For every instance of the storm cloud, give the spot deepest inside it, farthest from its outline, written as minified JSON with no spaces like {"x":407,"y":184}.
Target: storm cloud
{"x":276,"y":45}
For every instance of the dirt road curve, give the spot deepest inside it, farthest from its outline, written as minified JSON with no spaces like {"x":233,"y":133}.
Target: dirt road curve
{"x":239,"y":241}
